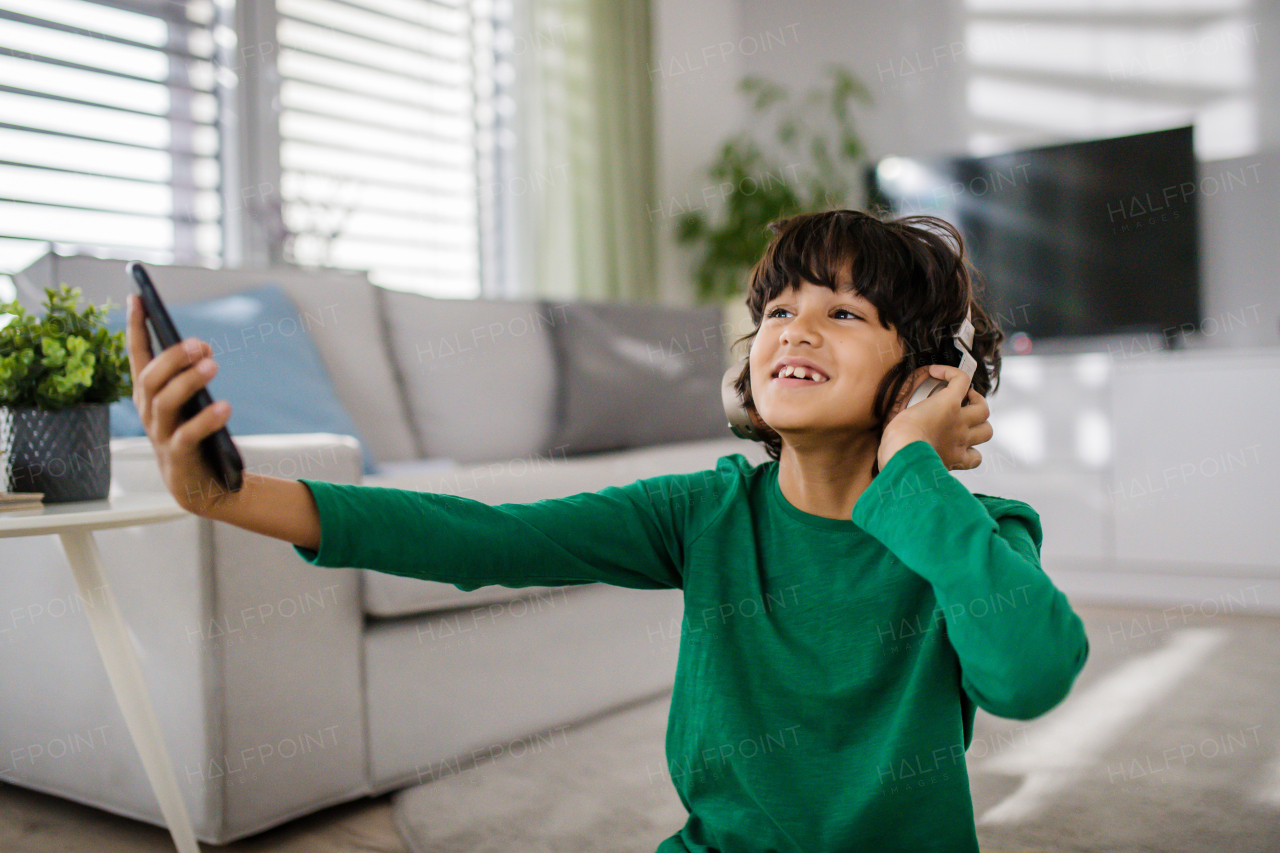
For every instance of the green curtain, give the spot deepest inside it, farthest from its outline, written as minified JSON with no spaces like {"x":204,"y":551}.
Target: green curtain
{"x":585,"y":151}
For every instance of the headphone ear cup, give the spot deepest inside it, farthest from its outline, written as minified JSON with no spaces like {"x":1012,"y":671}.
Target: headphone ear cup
{"x":740,"y":420}
{"x":745,"y":423}
{"x":924,"y":391}
{"x":762,"y":429}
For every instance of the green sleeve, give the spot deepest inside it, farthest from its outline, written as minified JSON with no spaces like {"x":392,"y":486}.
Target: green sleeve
{"x":630,"y":536}
{"x":1019,"y":642}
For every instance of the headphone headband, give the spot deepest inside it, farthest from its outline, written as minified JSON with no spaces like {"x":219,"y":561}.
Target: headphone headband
{"x":964,"y":343}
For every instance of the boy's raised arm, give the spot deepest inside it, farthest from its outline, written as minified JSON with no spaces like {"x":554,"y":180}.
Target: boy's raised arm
{"x":1020,"y":644}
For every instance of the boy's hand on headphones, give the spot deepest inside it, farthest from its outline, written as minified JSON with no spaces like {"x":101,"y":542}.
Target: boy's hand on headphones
{"x":953,"y":419}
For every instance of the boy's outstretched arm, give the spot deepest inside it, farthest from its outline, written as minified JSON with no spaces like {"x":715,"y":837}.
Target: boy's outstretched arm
{"x":629,"y":536}
{"x":272,"y":506}
{"x":1019,"y":642}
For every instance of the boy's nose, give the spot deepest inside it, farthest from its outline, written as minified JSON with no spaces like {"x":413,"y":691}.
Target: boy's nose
{"x":797,"y":330}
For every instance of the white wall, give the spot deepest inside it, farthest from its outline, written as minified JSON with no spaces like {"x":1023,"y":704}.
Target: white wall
{"x":1239,"y":208}
{"x":914,"y":58}
{"x":919,"y":105}
{"x":694,"y":75}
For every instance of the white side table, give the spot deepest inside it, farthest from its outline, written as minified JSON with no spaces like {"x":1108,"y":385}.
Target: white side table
{"x":74,"y":522}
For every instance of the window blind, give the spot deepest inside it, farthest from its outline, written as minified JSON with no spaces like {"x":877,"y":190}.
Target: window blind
{"x":109,"y":135}
{"x":383,"y":106}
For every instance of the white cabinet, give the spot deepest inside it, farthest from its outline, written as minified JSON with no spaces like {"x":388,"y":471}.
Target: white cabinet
{"x":1197,"y":468}
{"x":1051,"y":449}
{"x":1143,"y":467}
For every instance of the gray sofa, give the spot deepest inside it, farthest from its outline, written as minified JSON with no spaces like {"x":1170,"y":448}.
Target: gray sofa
{"x":282,"y":688}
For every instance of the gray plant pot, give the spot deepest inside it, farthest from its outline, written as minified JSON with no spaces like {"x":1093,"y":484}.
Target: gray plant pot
{"x":64,"y":453}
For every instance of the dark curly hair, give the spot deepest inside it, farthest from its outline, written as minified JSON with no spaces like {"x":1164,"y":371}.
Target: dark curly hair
{"x":918,"y":282}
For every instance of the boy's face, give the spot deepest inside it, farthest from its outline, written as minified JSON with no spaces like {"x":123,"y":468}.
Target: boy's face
{"x":841,"y":334}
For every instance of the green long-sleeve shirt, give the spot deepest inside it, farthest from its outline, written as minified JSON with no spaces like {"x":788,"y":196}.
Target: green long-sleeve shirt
{"x":828,"y":669}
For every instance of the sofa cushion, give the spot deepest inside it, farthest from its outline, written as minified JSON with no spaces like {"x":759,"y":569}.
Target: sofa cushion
{"x":634,"y":375}
{"x":525,"y":480}
{"x":479,"y":374}
{"x":338,"y":306}
{"x":268,"y":368}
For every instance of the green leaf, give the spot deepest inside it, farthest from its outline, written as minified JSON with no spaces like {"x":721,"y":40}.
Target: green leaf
{"x":851,"y":147}
{"x":787,"y":132}
{"x":765,"y":93}
{"x":690,"y":227}
{"x":66,"y":358}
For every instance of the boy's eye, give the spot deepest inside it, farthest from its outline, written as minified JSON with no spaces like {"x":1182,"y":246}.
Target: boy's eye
{"x":775,"y":311}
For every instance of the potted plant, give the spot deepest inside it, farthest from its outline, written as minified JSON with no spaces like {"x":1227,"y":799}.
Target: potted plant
{"x":758,"y":190}
{"x":58,"y":375}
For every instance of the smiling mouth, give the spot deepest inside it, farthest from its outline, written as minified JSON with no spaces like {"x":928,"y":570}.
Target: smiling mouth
{"x":789,"y":381}
{"x":801,"y":372}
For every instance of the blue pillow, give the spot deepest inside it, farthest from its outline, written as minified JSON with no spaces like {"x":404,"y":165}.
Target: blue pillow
{"x":268,"y":368}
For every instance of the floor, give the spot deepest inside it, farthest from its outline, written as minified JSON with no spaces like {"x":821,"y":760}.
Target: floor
{"x":32,"y":822}
{"x":1201,"y":679}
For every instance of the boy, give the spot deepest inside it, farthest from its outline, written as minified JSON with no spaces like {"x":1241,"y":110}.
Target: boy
{"x":888,"y":601}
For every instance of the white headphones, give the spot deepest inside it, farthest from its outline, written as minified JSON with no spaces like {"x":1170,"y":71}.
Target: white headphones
{"x":963,"y":341}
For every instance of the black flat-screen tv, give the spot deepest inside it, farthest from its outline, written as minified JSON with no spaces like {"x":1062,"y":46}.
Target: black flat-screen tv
{"x":1073,"y":242}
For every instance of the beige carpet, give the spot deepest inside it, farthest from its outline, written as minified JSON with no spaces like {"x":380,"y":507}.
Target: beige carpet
{"x":1194,"y":770}
{"x":601,"y":785}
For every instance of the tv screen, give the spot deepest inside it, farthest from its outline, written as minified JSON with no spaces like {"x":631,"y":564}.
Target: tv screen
{"x":1072,"y":241}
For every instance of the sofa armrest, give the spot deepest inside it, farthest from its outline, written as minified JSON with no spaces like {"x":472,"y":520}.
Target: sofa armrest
{"x":284,"y":643}
{"x":134,"y":468}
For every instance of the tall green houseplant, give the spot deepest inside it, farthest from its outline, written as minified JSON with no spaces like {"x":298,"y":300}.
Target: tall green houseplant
{"x":819,"y":128}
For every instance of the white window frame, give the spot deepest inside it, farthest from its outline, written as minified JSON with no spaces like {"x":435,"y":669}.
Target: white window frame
{"x":252,"y":171}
